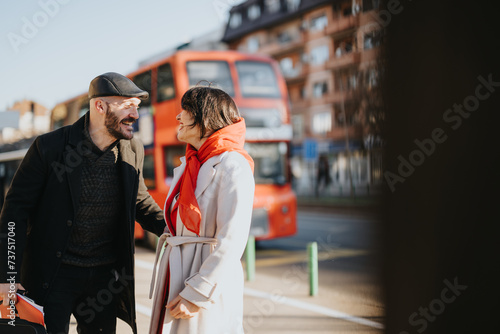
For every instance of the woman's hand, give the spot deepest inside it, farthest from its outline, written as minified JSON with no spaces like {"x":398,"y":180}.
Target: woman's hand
{"x":180,"y":308}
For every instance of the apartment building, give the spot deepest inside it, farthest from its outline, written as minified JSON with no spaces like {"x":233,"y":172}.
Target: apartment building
{"x":329,"y":54}
{"x":24,"y":119}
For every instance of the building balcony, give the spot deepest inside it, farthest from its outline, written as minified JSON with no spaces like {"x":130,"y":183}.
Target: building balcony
{"x":300,"y":105}
{"x":371,"y":19}
{"x":339,"y":97}
{"x":355,"y":132}
{"x":294,"y":75}
{"x":348,"y":59}
{"x":276,"y":48}
{"x":370,"y":55}
{"x":342,"y":24}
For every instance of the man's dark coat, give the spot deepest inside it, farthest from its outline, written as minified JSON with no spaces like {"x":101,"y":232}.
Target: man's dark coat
{"x":42,"y":202}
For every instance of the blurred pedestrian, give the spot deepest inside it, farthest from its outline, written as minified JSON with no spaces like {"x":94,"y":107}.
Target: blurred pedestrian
{"x":323,"y":177}
{"x":71,"y":211}
{"x":208,"y":213}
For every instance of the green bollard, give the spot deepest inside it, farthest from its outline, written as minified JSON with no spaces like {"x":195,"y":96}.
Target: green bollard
{"x":312,"y":250}
{"x":250,"y":258}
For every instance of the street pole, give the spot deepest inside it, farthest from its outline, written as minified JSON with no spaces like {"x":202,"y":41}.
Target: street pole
{"x":312,"y":251}
{"x":250,"y":258}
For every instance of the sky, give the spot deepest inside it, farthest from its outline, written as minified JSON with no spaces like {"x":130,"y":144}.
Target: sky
{"x":50,"y":50}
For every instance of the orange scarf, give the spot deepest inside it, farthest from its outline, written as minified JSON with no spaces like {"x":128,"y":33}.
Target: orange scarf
{"x":230,"y":138}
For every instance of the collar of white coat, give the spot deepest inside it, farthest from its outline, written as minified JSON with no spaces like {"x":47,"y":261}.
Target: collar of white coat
{"x":205,"y":176}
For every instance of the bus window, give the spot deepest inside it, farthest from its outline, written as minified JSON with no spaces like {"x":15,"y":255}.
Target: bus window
{"x":257,"y":79}
{"x":165,"y":83}
{"x":148,"y":170}
{"x":216,"y":72}
{"x":270,"y":162}
{"x":143,"y":81}
{"x":172,"y":156}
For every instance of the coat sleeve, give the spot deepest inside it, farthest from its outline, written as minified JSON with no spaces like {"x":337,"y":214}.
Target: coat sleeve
{"x":21,"y":200}
{"x":148,"y":213}
{"x":234,"y":202}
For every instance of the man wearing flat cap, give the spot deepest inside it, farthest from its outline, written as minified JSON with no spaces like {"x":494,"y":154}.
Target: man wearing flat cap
{"x":71,"y":210}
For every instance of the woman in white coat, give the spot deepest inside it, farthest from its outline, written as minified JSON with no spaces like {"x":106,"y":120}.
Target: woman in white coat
{"x":199,"y":288}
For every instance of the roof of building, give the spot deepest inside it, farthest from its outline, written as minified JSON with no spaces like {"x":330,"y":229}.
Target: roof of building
{"x":267,"y":19}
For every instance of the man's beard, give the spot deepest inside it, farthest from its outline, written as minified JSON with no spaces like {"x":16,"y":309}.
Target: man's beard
{"x":112,"y":124}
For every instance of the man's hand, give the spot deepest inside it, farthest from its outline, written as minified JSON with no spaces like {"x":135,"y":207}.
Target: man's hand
{"x":6,"y":293}
{"x":180,"y":308}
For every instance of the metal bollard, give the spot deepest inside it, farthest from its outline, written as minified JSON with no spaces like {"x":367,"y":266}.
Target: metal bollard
{"x":312,"y":250}
{"x":250,"y":258}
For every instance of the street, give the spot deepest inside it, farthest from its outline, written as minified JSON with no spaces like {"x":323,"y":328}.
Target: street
{"x":277,"y":301}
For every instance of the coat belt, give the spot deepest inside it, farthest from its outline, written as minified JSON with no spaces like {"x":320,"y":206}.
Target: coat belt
{"x":173,"y":252}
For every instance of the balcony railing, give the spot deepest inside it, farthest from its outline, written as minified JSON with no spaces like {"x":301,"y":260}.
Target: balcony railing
{"x":297,"y":73}
{"x":370,"y":54}
{"x":347,"y":59}
{"x":339,"y":96}
{"x":342,"y":23}
{"x":276,"y":47}
{"x":354,"y":131}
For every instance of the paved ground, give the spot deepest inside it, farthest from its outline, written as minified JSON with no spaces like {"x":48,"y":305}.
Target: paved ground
{"x":278,"y":301}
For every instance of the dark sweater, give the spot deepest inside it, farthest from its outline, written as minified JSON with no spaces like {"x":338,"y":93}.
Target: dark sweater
{"x":93,"y":236}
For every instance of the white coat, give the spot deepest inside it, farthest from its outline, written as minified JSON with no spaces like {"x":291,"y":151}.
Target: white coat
{"x":206,"y":270}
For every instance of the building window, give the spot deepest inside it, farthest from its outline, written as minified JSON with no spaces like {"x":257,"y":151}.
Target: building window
{"x":284,"y":37}
{"x":319,"y":55}
{"x":272,"y":6}
{"x":286,"y":65}
{"x":372,"y":40}
{"x":322,"y":123}
{"x":292,"y":5}
{"x":298,"y":126}
{"x":347,"y":80}
{"x":344,"y":47}
{"x":320,"y":89}
{"x":372,"y":78}
{"x":254,"y":12}
{"x":253,"y":44}
{"x":303,"y":92}
{"x":353,"y":81}
{"x":235,"y":20}
{"x":370,"y":5}
{"x":318,"y":23}
{"x":347,"y":11}
{"x":351,"y":116}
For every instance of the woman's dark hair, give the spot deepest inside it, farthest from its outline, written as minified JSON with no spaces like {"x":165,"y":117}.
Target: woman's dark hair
{"x":211,"y":108}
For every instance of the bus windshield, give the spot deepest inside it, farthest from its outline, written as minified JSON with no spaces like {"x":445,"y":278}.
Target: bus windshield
{"x":270,"y":162}
{"x":257,"y":79}
{"x":216,"y":72}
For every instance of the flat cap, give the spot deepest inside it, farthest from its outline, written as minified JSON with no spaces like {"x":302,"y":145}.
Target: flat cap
{"x":115,"y":84}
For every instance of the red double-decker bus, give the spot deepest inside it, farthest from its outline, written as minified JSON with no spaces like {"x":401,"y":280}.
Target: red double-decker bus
{"x":257,"y":87}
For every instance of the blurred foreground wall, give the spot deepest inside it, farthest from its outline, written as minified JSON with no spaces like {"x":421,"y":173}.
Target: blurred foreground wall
{"x":442,"y":173}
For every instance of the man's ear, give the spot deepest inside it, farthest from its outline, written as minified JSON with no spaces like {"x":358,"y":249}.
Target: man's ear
{"x":100,"y":106}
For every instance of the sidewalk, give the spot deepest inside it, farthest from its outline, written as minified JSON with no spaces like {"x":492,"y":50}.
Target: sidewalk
{"x":282,"y":305}
{"x":277,"y":304}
